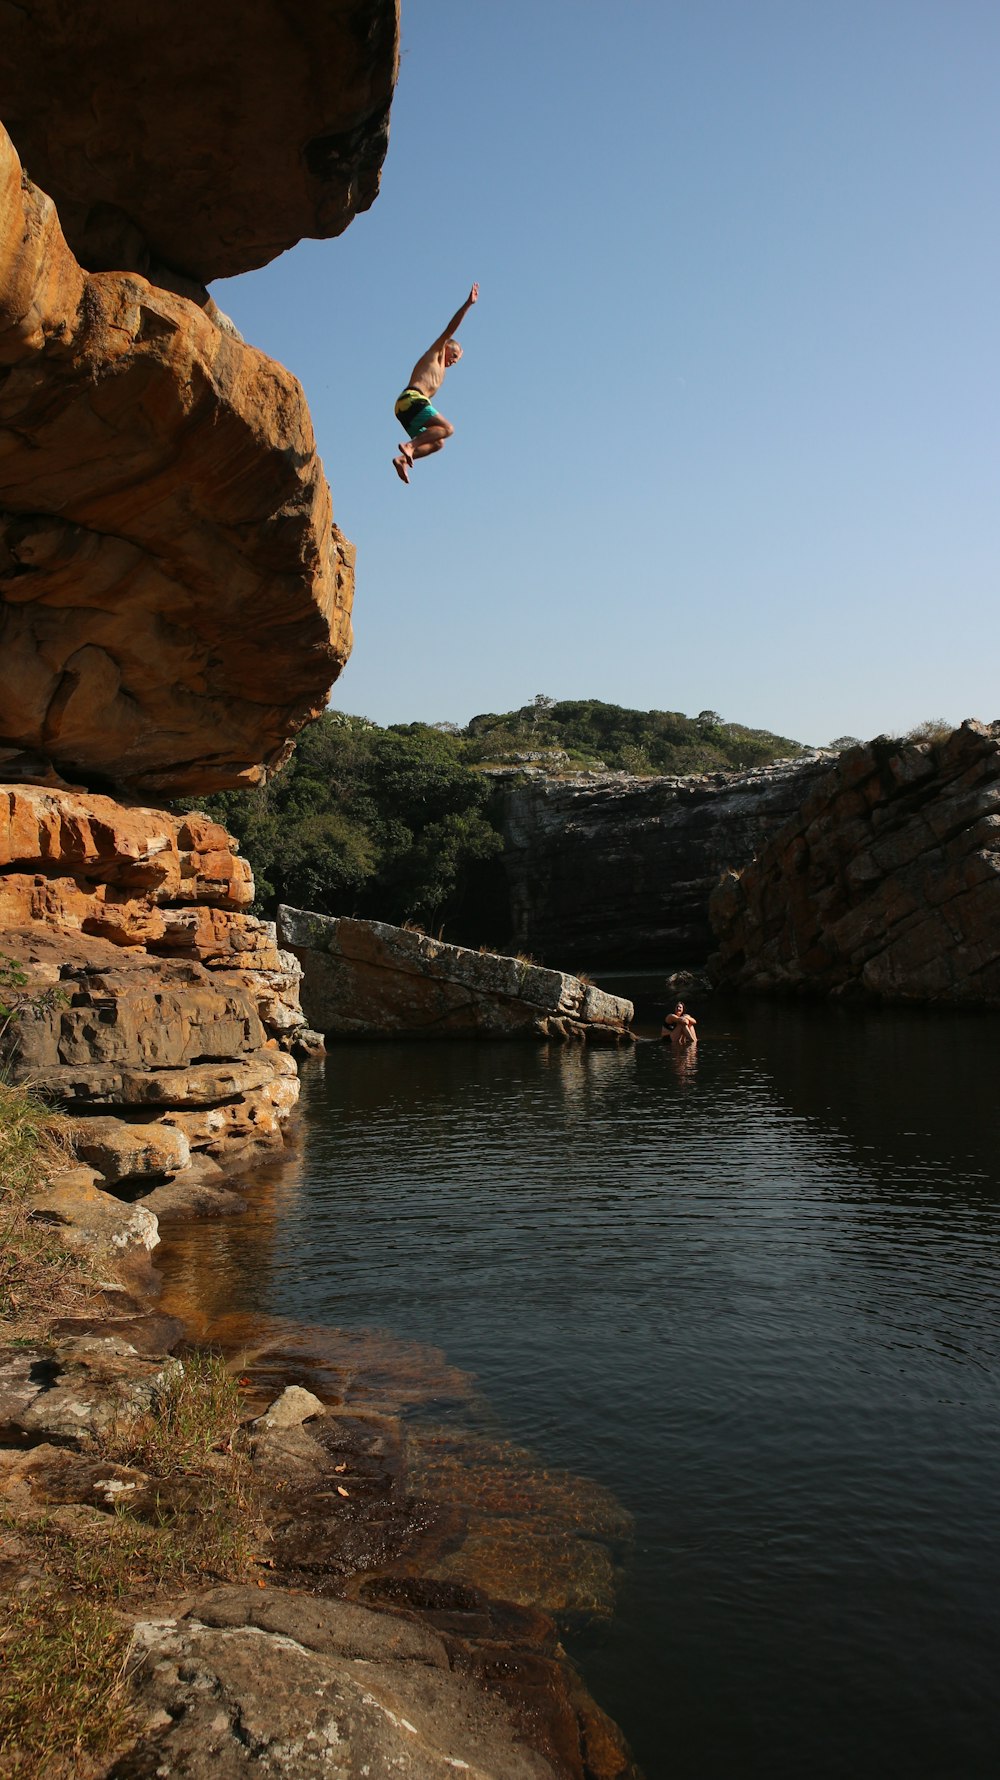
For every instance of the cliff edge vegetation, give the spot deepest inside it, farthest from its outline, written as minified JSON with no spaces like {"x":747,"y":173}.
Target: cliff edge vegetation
{"x":389,"y":824}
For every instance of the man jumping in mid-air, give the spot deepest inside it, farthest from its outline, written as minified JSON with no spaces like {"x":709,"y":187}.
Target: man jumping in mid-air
{"x":428,"y":429}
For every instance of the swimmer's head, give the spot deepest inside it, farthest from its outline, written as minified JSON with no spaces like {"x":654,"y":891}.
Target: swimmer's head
{"x":678,"y":1007}
{"x":452,"y":352}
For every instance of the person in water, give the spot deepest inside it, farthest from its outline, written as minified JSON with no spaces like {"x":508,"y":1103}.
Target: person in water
{"x":679,"y":1028}
{"x":427,"y":430}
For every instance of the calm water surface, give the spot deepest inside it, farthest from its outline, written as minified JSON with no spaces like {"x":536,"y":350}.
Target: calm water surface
{"x":758,"y":1300}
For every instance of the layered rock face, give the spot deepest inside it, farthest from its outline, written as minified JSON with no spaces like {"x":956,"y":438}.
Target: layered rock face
{"x":618,"y":871}
{"x":208,"y":140}
{"x":161,"y":1013}
{"x":174,"y":599}
{"x":366,"y":979}
{"x":886,"y":883}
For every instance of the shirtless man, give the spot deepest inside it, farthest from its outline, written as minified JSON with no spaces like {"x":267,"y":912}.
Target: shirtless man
{"x":428,"y":429}
{"x":679,"y":1028}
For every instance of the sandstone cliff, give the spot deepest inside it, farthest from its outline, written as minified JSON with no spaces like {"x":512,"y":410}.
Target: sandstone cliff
{"x":885,"y":883}
{"x":156,"y":997}
{"x":205,"y":139}
{"x":614,"y":871}
{"x":174,"y":599}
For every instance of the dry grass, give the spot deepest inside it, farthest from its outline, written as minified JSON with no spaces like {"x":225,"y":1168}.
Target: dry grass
{"x":64,"y":1638}
{"x":63,"y":1692}
{"x":64,"y":1632}
{"x":197,"y":1414}
{"x":40,"y":1280}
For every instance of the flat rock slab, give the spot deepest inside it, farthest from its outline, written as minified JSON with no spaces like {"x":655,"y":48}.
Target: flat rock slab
{"x":53,"y":1475}
{"x":89,"y":1385}
{"x":369,"y":979}
{"x":94,"y":1223}
{"x":123,"y":1152}
{"x":372,"y":1700}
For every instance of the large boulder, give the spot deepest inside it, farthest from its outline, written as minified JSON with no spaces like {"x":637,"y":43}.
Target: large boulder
{"x":366,"y":979}
{"x":205,"y":139}
{"x":886,"y":883}
{"x":236,"y":1699}
{"x":174,"y":598}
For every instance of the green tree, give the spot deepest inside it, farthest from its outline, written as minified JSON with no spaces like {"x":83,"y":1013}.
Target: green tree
{"x":383,"y":823}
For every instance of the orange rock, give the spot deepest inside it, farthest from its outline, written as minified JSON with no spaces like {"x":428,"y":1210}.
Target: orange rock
{"x":176,"y":599}
{"x":153,"y":989}
{"x":210,"y":146}
{"x":131,"y":847}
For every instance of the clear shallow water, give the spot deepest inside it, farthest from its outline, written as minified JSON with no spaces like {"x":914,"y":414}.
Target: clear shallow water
{"x":756,"y":1298}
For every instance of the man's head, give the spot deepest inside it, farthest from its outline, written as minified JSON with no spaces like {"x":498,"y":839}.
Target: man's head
{"x":452,"y":352}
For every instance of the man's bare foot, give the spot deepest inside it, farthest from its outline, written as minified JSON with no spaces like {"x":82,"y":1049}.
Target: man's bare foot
{"x":406,"y":450}
{"x":402,"y":468}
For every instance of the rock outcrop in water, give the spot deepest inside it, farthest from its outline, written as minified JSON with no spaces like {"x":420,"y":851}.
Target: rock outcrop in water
{"x":365,"y":979}
{"x":886,"y":883}
{"x":615,"y":870}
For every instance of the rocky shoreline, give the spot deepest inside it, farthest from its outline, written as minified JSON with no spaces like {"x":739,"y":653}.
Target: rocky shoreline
{"x":363,"y":1638}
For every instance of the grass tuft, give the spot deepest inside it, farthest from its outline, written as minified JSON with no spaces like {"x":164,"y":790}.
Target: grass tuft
{"x":197,"y":1413}
{"x":40,"y":1279}
{"x":63,"y":1691}
{"x":64,"y":1632}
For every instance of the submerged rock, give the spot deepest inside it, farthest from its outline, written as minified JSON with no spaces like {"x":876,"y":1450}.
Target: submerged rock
{"x":366,"y":979}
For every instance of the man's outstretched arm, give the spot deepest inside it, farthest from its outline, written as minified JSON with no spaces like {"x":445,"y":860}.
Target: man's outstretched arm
{"x":458,"y":317}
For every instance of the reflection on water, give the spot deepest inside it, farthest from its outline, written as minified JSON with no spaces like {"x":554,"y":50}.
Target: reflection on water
{"x":754,"y":1300}
{"x":521,"y":1532}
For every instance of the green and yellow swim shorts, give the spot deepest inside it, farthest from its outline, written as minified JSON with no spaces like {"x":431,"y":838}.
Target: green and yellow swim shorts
{"x":415,"y":412}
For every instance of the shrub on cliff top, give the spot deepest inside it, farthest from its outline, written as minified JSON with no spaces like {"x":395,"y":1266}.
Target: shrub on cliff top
{"x":599,"y":735}
{"x":389,"y":824}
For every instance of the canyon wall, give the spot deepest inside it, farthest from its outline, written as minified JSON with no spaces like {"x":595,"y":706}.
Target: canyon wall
{"x":160,"y":1013}
{"x":610,"y":871}
{"x":884,"y":884}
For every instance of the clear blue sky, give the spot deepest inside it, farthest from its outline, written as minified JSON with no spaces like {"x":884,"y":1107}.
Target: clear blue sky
{"x":727,"y":423}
